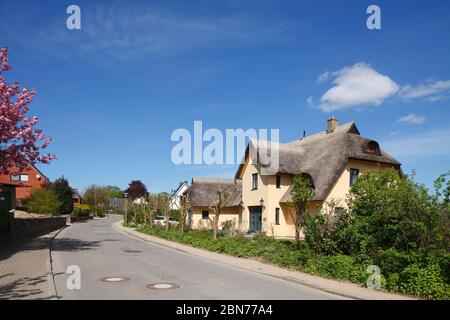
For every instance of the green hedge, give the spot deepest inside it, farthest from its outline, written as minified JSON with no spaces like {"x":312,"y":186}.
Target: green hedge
{"x":426,"y":282}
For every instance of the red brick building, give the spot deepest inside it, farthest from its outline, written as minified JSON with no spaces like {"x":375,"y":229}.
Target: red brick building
{"x":25,"y":180}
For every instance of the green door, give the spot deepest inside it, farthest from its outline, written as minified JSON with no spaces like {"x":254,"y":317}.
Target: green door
{"x":255,"y":219}
{"x":5,"y":206}
{"x":5,"y":201}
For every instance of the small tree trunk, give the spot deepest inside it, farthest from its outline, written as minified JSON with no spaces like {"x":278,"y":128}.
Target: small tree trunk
{"x":297,"y":238}
{"x":183,"y":222}
{"x":151,"y":219}
{"x":167,"y":223}
{"x":216,"y":226}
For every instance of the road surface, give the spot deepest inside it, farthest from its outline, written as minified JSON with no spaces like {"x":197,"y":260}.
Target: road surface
{"x":101,"y":251}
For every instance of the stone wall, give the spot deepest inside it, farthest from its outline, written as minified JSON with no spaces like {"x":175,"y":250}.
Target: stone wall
{"x":23,"y":228}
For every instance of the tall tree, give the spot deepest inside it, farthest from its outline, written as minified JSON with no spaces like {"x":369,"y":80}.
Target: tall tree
{"x":20,"y":141}
{"x":224,"y":195}
{"x":136,"y":189}
{"x":65,"y":195}
{"x":163,"y":204}
{"x":152,"y":207}
{"x":302,"y":191}
{"x":184,"y":210}
{"x":95,"y":196}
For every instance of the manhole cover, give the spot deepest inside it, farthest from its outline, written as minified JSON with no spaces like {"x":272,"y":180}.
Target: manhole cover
{"x":163,"y":286}
{"x":131,"y":251}
{"x":114,"y":279}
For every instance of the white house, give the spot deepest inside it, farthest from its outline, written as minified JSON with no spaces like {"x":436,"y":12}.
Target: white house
{"x":175,"y":197}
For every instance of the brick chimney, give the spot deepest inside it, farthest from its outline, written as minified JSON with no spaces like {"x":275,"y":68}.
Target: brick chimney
{"x":332,"y":123}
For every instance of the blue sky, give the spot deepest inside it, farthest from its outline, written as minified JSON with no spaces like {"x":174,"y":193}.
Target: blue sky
{"x":111,"y":94}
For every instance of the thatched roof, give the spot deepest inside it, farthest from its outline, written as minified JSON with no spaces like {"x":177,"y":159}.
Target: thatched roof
{"x":202,"y":191}
{"x":323,"y":156}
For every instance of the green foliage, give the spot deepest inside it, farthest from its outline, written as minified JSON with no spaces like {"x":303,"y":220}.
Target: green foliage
{"x":421,"y":281}
{"x":302,"y":192}
{"x":96,"y":196}
{"x":113,"y":192}
{"x":43,"y":201}
{"x":81,"y":212}
{"x":65,"y":195}
{"x":395,"y":223}
{"x":175,"y":214}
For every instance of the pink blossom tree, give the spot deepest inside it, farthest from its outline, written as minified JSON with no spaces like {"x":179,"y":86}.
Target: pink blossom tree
{"x":20,"y":141}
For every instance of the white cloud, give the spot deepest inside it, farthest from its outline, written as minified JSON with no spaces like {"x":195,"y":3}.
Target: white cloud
{"x":412,"y":118}
{"x":419,"y":145}
{"x":324,"y":77}
{"x":431,"y":91}
{"x":356,"y":86}
{"x":360,"y":85}
{"x":310,"y":101}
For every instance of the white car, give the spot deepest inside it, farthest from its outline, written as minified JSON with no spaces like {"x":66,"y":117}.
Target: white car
{"x":161,"y":220}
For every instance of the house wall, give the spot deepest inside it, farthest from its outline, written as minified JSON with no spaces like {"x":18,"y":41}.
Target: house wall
{"x":253,"y":197}
{"x":271,"y":195}
{"x":23,"y":193}
{"x":227,"y":214}
{"x":175,"y":201}
{"x":286,"y":226}
{"x":340,"y":189}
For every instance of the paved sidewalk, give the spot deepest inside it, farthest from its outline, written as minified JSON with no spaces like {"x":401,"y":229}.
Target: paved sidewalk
{"x":342,"y":288}
{"x":25,"y":270}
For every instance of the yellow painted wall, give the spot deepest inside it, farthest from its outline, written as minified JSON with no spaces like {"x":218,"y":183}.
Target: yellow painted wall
{"x":286,"y":226}
{"x":253,"y":197}
{"x":340,"y":189}
{"x":227,"y":214}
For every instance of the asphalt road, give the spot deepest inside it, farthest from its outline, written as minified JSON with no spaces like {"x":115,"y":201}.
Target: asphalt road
{"x":101,"y":251}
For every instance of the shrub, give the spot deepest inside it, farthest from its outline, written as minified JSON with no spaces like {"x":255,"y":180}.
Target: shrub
{"x":65,"y":195}
{"x":43,"y":201}
{"x":81,"y":212}
{"x":175,"y":214}
{"x":394,"y":261}
{"x":422,"y":281}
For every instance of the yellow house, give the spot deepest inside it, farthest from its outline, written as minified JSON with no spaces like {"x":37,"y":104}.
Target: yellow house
{"x":332,"y":159}
{"x":203,"y":194}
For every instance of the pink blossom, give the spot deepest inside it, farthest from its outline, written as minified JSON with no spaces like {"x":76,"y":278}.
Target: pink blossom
{"x":18,"y":135}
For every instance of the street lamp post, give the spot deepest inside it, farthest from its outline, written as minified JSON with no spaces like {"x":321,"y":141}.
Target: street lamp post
{"x":125,"y":215}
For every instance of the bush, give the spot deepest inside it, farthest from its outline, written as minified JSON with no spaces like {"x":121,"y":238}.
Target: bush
{"x":422,"y":281}
{"x":99,"y":212}
{"x":175,"y":214}
{"x":65,"y":195}
{"x":43,"y":201}
{"x":81,"y":212}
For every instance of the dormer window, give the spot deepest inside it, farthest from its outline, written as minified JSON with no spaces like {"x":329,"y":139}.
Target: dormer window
{"x":372,"y":147}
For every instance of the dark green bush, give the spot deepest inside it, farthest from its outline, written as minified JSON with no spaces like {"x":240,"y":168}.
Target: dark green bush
{"x":81,"y":212}
{"x":43,"y":201}
{"x":423,"y":281}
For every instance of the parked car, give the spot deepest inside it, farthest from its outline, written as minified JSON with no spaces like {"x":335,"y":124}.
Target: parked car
{"x":161,"y":220}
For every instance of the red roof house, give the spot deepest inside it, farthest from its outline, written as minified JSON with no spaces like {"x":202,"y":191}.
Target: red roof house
{"x":24,"y":179}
